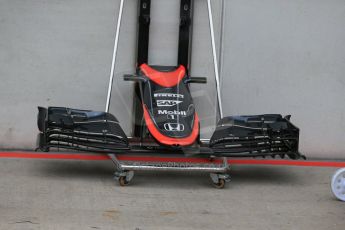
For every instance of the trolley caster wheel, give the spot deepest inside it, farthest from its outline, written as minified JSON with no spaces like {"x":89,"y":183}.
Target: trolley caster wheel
{"x":220,"y":184}
{"x":219,"y":180}
{"x":123,"y":181}
{"x":338,"y":184}
{"x":124,"y":178}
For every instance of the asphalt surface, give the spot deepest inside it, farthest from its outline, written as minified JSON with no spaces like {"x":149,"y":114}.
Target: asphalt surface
{"x":62,"y":194}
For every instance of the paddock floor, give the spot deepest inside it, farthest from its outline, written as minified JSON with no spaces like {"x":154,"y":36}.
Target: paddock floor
{"x":74,"y":194}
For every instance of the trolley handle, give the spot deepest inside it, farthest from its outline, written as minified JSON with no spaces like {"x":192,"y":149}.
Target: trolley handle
{"x":132,"y":77}
{"x":137,"y":78}
{"x":200,"y":80}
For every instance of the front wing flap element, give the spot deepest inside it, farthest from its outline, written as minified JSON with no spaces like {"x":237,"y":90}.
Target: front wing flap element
{"x":257,"y":135}
{"x":82,"y":130}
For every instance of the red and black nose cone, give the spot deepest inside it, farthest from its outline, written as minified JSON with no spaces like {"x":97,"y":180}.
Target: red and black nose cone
{"x":168,"y":107}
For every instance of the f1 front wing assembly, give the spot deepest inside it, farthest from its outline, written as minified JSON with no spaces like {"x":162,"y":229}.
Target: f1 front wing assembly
{"x":237,"y":136}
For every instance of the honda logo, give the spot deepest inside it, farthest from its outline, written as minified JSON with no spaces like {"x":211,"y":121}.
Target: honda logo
{"x":174,"y":127}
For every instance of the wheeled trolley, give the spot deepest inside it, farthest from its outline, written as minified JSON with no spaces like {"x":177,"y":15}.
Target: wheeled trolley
{"x":125,"y":166}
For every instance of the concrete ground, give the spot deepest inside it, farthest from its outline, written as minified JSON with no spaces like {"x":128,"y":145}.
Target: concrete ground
{"x":60,"y":194}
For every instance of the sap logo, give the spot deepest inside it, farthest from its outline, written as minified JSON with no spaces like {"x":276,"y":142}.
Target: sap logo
{"x":169,"y":95}
{"x":167,"y":103}
{"x":166,"y":112}
{"x":174,"y":127}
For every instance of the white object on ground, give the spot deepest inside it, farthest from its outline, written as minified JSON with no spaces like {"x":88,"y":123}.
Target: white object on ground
{"x":338,"y":184}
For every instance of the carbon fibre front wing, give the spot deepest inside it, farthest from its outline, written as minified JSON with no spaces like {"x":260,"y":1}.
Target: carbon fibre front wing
{"x":237,"y":136}
{"x":82,"y":130}
{"x":252,"y":136}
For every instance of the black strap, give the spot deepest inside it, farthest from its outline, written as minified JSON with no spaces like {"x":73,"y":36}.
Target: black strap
{"x":144,"y":31}
{"x":185,"y":35}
